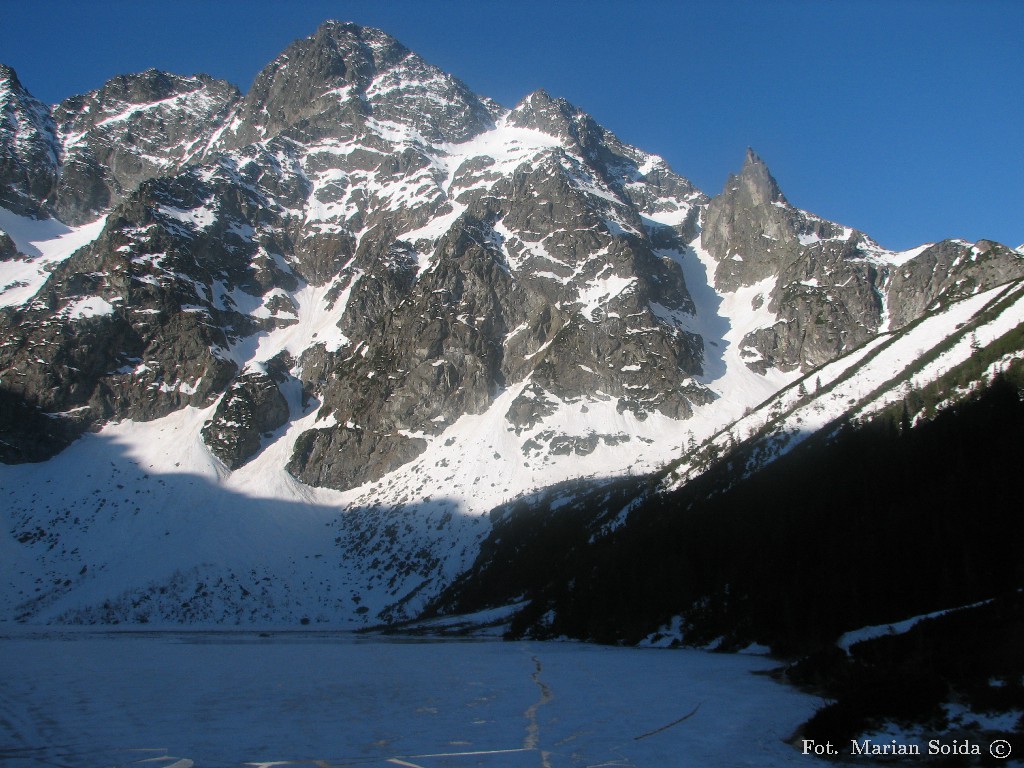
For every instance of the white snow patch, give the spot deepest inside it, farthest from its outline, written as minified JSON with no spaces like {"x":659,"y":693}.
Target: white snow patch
{"x":199,"y":217}
{"x":899,"y":258}
{"x":596,"y":293}
{"x":46,"y":243}
{"x":90,"y":306}
{"x":851,"y":638}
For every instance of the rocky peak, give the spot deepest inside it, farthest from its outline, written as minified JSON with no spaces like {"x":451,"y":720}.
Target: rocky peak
{"x":757,"y":182}
{"x":820,"y":286}
{"x":131,"y":98}
{"x":141,"y":88}
{"x":10,"y":86}
{"x":557,"y":117}
{"x":29,"y":151}
{"x":541,"y":112}
{"x":134,"y":128}
{"x":383,"y":50}
{"x":642,"y":180}
{"x":331,"y":83}
{"x":9,"y":80}
{"x":336,"y":55}
{"x":750,"y":228}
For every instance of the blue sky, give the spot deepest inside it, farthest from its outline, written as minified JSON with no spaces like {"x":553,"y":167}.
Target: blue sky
{"x":900,"y":118}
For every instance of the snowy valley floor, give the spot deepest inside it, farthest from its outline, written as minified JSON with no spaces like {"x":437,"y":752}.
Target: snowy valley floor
{"x":85,"y":699}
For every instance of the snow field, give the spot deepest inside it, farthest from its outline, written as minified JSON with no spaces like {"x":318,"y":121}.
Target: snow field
{"x":144,"y":509}
{"x":226,"y":699}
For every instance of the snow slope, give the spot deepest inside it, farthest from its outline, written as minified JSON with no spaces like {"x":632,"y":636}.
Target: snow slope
{"x":44,"y":243}
{"x":141,"y":523}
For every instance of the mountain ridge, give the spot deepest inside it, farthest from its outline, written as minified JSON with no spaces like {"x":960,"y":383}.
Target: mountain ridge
{"x":361,"y":286}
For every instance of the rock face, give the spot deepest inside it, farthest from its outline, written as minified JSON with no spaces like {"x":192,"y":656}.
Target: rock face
{"x":362,"y":228}
{"x":253,"y":407}
{"x":29,"y":149}
{"x":346,"y":79}
{"x":750,"y":229}
{"x":8,"y":250}
{"x":825,"y":294}
{"x":946,"y":271}
{"x":134,"y":128}
{"x":106,"y":338}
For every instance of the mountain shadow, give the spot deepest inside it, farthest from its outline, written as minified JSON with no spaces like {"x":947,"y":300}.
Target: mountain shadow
{"x":101,"y":535}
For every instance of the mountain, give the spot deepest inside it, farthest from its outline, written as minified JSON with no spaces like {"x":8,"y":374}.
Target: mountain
{"x":302,"y":353}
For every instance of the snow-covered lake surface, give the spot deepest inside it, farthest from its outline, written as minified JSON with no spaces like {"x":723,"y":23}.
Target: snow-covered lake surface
{"x":230,"y":698}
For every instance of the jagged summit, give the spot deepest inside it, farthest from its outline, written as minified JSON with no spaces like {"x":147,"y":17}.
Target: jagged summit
{"x":9,"y":78}
{"x":557,"y":117}
{"x":758,"y":181}
{"x":750,"y":211}
{"x":331,"y":83}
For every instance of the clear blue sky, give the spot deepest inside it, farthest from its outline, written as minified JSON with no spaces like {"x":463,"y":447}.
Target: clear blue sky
{"x":903,"y":118}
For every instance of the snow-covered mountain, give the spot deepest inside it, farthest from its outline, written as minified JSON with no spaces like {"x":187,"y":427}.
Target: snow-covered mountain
{"x":276,"y":357}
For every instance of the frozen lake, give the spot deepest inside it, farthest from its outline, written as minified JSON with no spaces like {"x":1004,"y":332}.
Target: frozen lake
{"x":86,"y":699}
